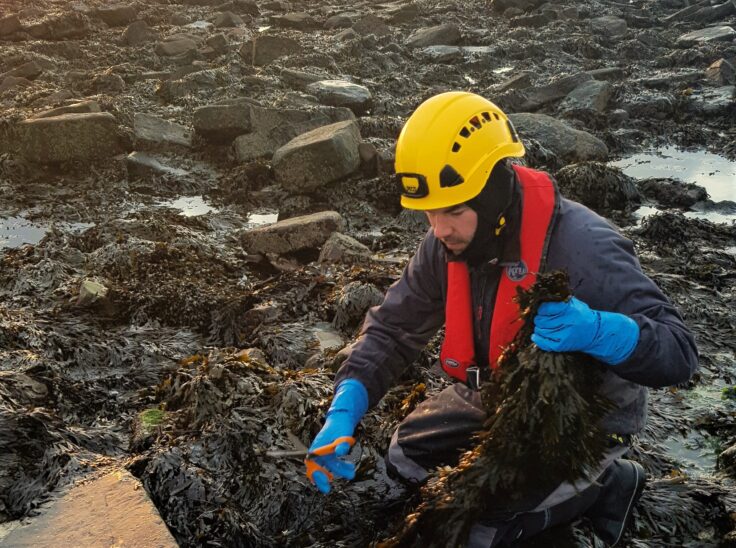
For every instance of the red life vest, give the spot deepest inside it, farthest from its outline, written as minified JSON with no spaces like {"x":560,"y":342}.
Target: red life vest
{"x":458,"y":348}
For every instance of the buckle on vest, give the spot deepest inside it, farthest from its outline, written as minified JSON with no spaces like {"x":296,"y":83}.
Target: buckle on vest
{"x":472,"y":379}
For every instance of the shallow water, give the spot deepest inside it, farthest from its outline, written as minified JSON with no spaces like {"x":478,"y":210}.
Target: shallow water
{"x":17,"y":231}
{"x":190,"y":206}
{"x":714,"y":173}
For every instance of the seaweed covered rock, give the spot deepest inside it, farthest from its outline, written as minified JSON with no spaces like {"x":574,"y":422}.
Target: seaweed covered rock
{"x":543,"y":428}
{"x":598,"y":186}
{"x":672,"y":193}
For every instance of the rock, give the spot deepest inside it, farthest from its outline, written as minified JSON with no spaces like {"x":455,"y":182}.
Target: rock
{"x":91,"y":291}
{"x":720,"y":73}
{"x":341,"y":20}
{"x":607,"y":73}
{"x":111,"y":510}
{"x":648,"y":104}
{"x":108,"y":82}
{"x":249,"y":7}
{"x":521,"y":80}
{"x":327,"y":338}
{"x":571,"y":145}
{"x":535,"y":98}
{"x":353,"y":301}
{"x":340,"y":248}
{"x":318,"y":157}
{"x":295,"y":234}
{"x":591,"y":96}
{"x":273,"y":128}
{"x":221,"y":123}
{"x":371,"y":24}
{"x":672,"y":193}
{"x":447,"y":34}
{"x":177,"y":44}
{"x":84,"y":136}
{"x":153,"y":131}
{"x":218,"y":43}
{"x":29,"y":71}
{"x":347,"y":35}
{"x":298,"y":79}
{"x":118,"y":15}
{"x":142,"y":166}
{"x":535,"y":20}
{"x":727,"y":460}
{"x":266,"y":48}
{"x":227,"y":19}
{"x":598,"y":186}
{"x":74,"y":108}
{"x":610,"y":26}
{"x":25,"y":390}
{"x":370,"y":162}
{"x":9,"y":24}
{"x":139,"y":33}
{"x":703,"y":36}
{"x":70,"y":25}
{"x":442,"y":54}
{"x":11,"y":82}
{"x":401,"y":12}
{"x":339,"y":93}
{"x":172,"y":90}
{"x":298,"y":20}
{"x":720,"y":101}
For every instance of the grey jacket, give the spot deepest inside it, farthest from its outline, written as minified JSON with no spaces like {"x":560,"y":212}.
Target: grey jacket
{"x":604,"y":273}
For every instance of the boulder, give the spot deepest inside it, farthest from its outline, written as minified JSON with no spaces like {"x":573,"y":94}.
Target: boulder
{"x":318,"y":157}
{"x":295,"y":234}
{"x":117,"y":15}
{"x":672,"y":193}
{"x":153,"y":131}
{"x":537,"y":97}
{"x":63,"y":27}
{"x":264,"y":49}
{"x":710,"y":34}
{"x":598,"y":186}
{"x":569,"y":144}
{"x":178,"y":44}
{"x":591,"y":96}
{"x":138,"y":33}
{"x":9,"y":24}
{"x":83,"y":136}
{"x":353,"y":301}
{"x":142,"y":166}
{"x":339,"y":93}
{"x":273,"y":128}
{"x":222,"y":123}
{"x":447,"y":34}
{"x":721,"y":73}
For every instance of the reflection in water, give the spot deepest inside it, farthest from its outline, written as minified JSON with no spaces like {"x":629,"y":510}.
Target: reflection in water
{"x":17,"y":231}
{"x":714,"y":173}
{"x":190,"y":206}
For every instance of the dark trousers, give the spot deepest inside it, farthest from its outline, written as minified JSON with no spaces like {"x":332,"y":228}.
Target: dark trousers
{"x":440,"y":429}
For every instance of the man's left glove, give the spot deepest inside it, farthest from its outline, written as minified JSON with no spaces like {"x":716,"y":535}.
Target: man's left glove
{"x":572,"y":326}
{"x":336,"y":437}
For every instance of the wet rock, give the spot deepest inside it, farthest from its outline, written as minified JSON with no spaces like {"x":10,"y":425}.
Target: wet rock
{"x":153,"y":131}
{"x":521,"y":80}
{"x":74,"y":108}
{"x":296,"y":20}
{"x":672,"y":193}
{"x":227,"y":19}
{"x":591,"y":96}
{"x":442,"y":54}
{"x":299,"y":79}
{"x":9,"y":24}
{"x":721,"y":73}
{"x":571,"y":145}
{"x":70,"y":25}
{"x":222,"y":123}
{"x":117,"y":15}
{"x":69,"y":137}
{"x":273,"y":128}
{"x":327,"y":338}
{"x":447,"y":34}
{"x":139,"y":33}
{"x":295,"y":234}
{"x":340,"y":248}
{"x":537,"y":97}
{"x":719,"y":101}
{"x":727,"y":460}
{"x":598,"y":186}
{"x":371,"y":24}
{"x":178,"y":44}
{"x":339,"y":93}
{"x":703,"y":36}
{"x":649,"y":104}
{"x":610,"y":26}
{"x":140,"y":165}
{"x":353,"y":301}
{"x":29,"y":71}
{"x":265,"y":49}
{"x":318,"y":157}
{"x":110,"y":510}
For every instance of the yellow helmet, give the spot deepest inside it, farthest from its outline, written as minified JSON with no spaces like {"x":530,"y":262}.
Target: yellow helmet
{"x":448,"y":147}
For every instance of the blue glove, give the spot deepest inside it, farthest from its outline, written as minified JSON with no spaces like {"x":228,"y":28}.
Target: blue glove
{"x":348,"y":407}
{"x":571,"y":326}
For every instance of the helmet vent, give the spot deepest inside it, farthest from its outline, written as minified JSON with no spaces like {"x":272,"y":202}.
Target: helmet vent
{"x":475,"y":122}
{"x":486,"y":116}
{"x":456,"y":147}
{"x":465,"y":132}
{"x":450,"y":177}
{"x":496,"y":115}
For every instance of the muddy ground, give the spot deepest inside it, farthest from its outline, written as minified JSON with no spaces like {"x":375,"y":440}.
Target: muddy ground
{"x":144,"y":325}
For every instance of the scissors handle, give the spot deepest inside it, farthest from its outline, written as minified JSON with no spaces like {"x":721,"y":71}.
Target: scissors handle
{"x":330,"y":448}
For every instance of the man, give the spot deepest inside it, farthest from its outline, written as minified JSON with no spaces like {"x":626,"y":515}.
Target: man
{"x":493,"y":227}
